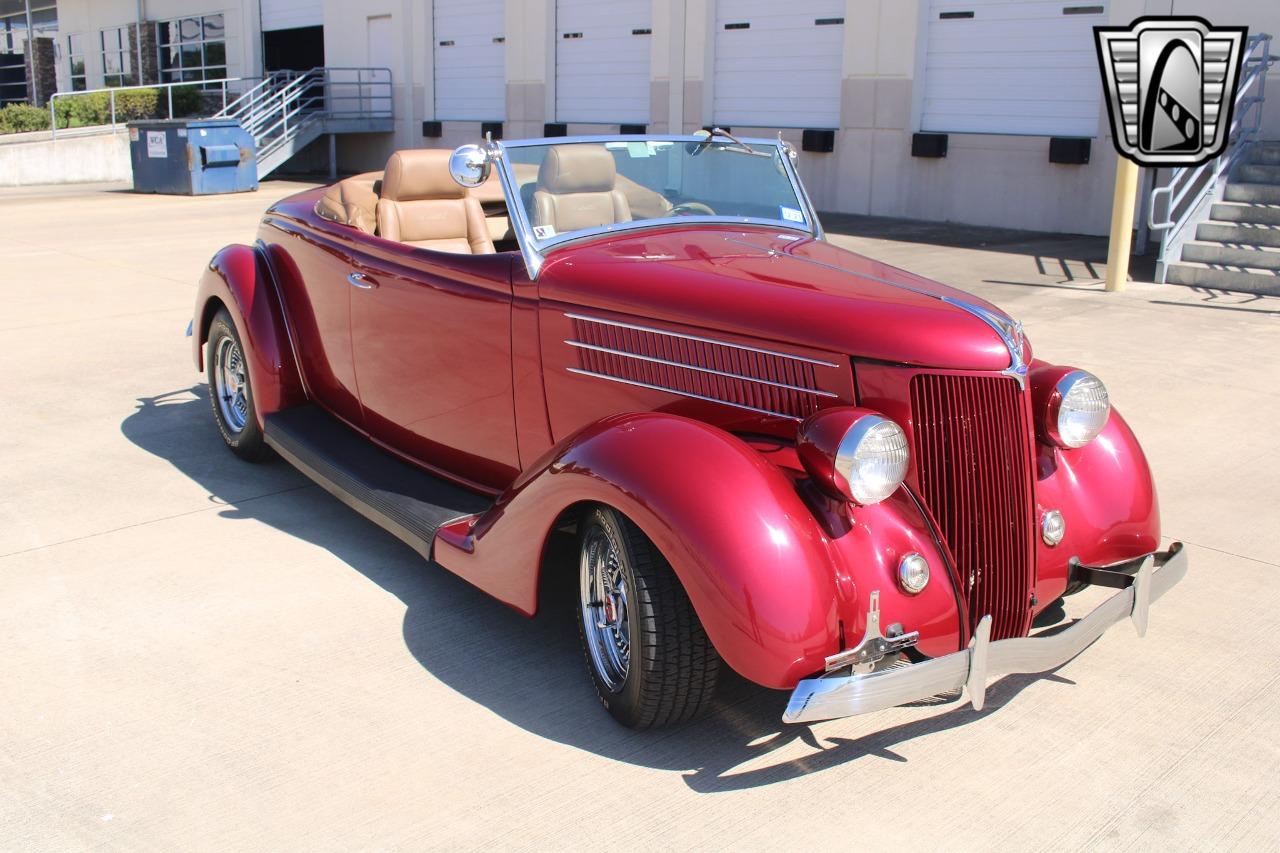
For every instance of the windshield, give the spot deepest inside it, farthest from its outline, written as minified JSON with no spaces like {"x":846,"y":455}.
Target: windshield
{"x":572,"y":189}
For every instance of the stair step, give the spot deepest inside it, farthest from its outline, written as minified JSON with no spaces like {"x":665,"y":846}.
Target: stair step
{"x":1265,"y":282}
{"x":1258,"y":173}
{"x":1221,"y":254}
{"x":1252,"y":192}
{"x":1239,"y":233}
{"x":406,"y":501}
{"x":1262,"y":214}
{"x":1268,"y":155}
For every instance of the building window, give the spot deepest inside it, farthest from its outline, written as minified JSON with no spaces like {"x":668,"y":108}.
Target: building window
{"x":192,"y":49}
{"x":117,"y":58}
{"x":13,"y":23}
{"x":75,"y":56}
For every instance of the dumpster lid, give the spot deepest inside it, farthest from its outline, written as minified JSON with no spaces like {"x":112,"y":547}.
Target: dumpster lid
{"x":164,"y":123}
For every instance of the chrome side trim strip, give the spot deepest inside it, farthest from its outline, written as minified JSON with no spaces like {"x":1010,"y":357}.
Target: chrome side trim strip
{"x":682,"y":365}
{"x":713,"y":341}
{"x":606,"y":376}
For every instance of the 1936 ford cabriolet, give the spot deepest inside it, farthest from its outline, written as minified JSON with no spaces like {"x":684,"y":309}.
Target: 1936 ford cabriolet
{"x":833,"y":476}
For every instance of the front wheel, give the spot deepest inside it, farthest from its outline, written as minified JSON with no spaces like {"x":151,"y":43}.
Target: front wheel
{"x":650,"y":660}
{"x":230,"y":392}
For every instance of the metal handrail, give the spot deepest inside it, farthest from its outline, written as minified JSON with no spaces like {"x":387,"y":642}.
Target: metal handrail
{"x":263,"y":88}
{"x":1189,"y":187}
{"x":277,"y":109}
{"x":222,"y":82}
{"x":253,"y":118}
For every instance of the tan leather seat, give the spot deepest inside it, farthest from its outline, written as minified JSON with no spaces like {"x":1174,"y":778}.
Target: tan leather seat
{"x":577,"y":189}
{"x":423,"y":206}
{"x":494,"y":204}
{"x":353,"y":201}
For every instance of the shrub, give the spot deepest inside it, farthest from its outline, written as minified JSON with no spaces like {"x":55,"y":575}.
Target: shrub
{"x":136,"y":104}
{"x":131,"y":104}
{"x":84,"y":110}
{"x":22,"y":118}
{"x":187,"y":100}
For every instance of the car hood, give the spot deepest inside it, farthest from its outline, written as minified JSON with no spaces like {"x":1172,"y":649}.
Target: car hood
{"x":779,"y":287}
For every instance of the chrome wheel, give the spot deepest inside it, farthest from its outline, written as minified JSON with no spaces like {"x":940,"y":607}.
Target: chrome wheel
{"x":231,"y":387}
{"x":603,"y":591}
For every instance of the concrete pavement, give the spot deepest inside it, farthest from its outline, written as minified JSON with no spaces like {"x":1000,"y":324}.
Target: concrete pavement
{"x":201,"y":654}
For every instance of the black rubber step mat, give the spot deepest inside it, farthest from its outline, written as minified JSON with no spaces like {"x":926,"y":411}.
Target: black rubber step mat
{"x":404,"y":500}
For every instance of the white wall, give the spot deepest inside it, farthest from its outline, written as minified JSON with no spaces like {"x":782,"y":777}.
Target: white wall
{"x":100,"y":158}
{"x":985,"y":179}
{"x":1260,"y":16}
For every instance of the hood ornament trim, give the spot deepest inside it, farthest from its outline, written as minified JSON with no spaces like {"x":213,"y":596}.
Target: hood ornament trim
{"x":1008,"y":329}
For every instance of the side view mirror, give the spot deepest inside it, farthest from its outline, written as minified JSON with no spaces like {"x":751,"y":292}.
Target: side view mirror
{"x":469,"y":165}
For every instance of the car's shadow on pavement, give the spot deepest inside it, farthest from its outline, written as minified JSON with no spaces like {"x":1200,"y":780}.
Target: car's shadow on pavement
{"x":528,"y":671}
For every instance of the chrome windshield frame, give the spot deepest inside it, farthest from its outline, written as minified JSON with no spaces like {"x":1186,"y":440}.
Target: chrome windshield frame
{"x":534,"y":251}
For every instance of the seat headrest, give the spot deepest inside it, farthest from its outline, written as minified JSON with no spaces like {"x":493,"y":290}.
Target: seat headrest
{"x":577,"y":168}
{"x":420,"y":173}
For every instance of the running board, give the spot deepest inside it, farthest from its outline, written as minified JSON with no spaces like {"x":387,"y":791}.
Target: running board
{"x":403,"y":499}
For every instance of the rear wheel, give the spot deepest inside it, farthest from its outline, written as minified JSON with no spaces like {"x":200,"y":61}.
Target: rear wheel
{"x":650,"y":660}
{"x":230,"y":392}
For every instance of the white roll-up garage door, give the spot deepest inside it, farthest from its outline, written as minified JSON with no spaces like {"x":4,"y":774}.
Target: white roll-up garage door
{"x":470,"y":60}
{"x":602,"y":61}
{"x":290,"y":14}
{"x":777,"y":64}
{"x":1012,"y":66}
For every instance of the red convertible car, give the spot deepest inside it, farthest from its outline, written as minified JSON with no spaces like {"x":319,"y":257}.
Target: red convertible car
{"x":830,"y":475}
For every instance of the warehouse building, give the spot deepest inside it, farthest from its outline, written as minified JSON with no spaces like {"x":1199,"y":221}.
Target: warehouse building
{"x":977,"y":111}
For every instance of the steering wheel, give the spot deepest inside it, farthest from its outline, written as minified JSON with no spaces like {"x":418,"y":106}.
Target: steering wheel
{"x":691,"y":208}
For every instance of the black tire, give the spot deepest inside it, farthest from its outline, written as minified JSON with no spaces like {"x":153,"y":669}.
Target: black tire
{"x":244,"y":439}
{"x":673,"y":668}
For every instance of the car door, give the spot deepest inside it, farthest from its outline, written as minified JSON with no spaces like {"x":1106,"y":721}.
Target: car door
{"x":431,"y":333}
{"x":312,"y":266}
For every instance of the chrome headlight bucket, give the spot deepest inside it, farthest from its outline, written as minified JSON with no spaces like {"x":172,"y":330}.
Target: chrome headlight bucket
{"x":913,"y":573}
{"x":854,"y":454}
{"x":1072,"y":405}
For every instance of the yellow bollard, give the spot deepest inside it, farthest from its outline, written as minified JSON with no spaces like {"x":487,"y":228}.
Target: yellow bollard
{"x":1121,"y":223}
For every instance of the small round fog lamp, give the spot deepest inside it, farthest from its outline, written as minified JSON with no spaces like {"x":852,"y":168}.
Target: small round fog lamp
{"x":1052,"y":527}
{"x":913,"y":573}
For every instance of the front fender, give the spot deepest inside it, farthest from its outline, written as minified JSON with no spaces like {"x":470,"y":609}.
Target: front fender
{"x":1106,"y":495}
{"x":239,"y":279}
{"x":775,"y":591}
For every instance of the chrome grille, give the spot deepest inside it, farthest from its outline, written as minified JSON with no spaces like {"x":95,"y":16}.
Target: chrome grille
{"x":974,"y":472}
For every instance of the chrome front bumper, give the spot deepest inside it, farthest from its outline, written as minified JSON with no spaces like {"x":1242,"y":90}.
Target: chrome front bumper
{"x":843,"y":696}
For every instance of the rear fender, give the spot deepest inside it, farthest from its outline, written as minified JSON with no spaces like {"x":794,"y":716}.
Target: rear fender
{"x":775,"y":594}
{"x":239,"y":279}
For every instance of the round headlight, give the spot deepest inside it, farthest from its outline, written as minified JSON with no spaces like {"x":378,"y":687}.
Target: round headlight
{"x":853,"y":453}
{"x":1052,"y":528}
{"x":913,"y":573}
{"x":1082,"y":408}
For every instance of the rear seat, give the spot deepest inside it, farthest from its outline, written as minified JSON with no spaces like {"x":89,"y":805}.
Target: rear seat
{"x":354,"y":201}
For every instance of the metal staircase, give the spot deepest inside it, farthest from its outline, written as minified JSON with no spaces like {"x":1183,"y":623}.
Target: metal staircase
{"x":289,"y":110}
{"x":1238,"y":246}
{"x":1220,"y":221}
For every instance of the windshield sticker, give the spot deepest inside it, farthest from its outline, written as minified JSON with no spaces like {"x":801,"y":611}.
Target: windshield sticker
{"x":542,"y":232}
{"x":790,"y":214}
{"x":638,"y":149}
